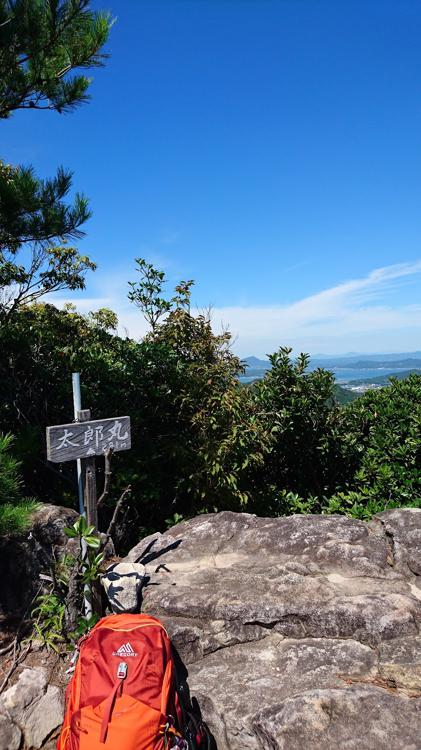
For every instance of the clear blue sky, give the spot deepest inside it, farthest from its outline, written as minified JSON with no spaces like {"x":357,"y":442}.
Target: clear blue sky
{"x":269,"y":149}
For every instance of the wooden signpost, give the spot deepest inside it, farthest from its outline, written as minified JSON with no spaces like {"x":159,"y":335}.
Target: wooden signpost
{"x":81,"y":441}
{"x":84,"y":440}
{"x":87,"y":438}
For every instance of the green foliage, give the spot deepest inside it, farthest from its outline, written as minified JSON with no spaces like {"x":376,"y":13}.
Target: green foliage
{"x":15,"y":512}
{"x":10,"y":481}
{"x":146,"y":293}
{"x":176,"y":518}
{"x":49,"y":614}
{"x":344,"y":395}
{"x":48,"y":621}
{"x":15,"y":519}
{"x":41,"y":44}
{"x":91,"y":563}
{"x":384,"y":428}
{"x":87,"y":569}
{"x":84,"y":625}
{"x":214,"y":439}
{"x":86,"y":533}
{"x":201,"y":441}
{"x":35,"y":219}
{"x":303,"y":419}
{"x":42,"y":346}
{"x":193,"y":426}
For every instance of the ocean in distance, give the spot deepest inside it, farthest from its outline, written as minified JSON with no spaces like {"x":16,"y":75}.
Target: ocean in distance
{"x":342,"y":374}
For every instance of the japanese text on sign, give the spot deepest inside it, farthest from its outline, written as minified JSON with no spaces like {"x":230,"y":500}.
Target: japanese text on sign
{"x":67,"y":442}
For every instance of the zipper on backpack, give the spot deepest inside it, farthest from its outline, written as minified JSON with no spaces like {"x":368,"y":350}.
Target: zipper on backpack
{"x":135,"y":627}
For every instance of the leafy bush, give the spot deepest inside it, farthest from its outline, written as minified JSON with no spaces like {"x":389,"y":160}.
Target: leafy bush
{"x":299,"y":411}
{"x":201,"y":441}
{"x":385,"y":428}
{"x":15,"y":512}
{"x":194,"y":429}
{"x":58,"y":617}
{"x":16,"y":518}
{"x":378,"y":438}
{"x":10,"y":482}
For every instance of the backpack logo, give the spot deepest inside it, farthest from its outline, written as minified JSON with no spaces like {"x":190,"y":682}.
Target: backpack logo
{"x":125,"y":650}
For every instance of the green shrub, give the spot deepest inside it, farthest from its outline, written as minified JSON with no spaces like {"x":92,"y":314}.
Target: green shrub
{"x":384,"y":427}
{"x":16,"y":518}
{"x":299,"y":411}
{"x":201,"y":442}
{"x":15,"y":512}
{"x":10,"y":481}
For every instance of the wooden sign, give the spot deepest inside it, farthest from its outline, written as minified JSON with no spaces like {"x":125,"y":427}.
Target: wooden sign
{"x":67,"y":442}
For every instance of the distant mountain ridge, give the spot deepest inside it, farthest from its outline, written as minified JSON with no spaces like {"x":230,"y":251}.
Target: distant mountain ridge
{"x":411,"y":360}
{"x":356,"y":369}
{"x":384,"y":357}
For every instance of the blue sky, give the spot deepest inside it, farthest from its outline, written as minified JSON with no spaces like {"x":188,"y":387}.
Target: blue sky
{"x":269,"y":149}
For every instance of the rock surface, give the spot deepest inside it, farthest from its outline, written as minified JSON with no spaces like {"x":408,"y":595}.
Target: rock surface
{"x":49,"y":522}
{"x":30,"y":711}
{"x":299,"y":632}
{"x":23,"y":557}
{"x":122,"y":583}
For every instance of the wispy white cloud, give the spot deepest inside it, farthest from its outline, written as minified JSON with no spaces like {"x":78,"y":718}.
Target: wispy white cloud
{"x":335,"y":317}
{"x":355,"y":314}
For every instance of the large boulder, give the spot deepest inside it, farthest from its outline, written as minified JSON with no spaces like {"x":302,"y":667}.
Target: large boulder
{"x":30,"y":711}
{"x":24,"y":556}
{"x":296,"y":632}
{"x":49,"y":522}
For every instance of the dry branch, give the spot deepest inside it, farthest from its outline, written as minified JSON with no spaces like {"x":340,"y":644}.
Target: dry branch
{"x":107,"y":476}
{"x":117,"y":509}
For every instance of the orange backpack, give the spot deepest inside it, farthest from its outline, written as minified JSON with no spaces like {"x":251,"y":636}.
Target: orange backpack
{"x":123,"y":694}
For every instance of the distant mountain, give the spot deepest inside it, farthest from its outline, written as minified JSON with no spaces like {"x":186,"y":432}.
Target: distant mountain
{"x":257,"y":364}
{"x":370,"y":364}
{"x":356,"y":368}
{"x":386,"y":357}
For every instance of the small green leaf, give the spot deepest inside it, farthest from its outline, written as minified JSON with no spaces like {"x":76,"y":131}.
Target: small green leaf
{"x":92,"y":541}
{"x":70,"y":532}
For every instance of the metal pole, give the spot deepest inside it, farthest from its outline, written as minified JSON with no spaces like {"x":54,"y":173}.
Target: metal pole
{"x":77,"y":406}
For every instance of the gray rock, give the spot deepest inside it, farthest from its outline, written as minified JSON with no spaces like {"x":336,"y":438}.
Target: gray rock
{"x":21,"y":562}
{"x":400,"y":662}
{"x":34,"y":708}
{"x":25,"y":556}
{"x":10,"y":734}
{"x":297,"y":632}
{"x":122,"y":583}
{"x":357,"y":717}
{"x":49,"y":522}
{"x":403,"y":532}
